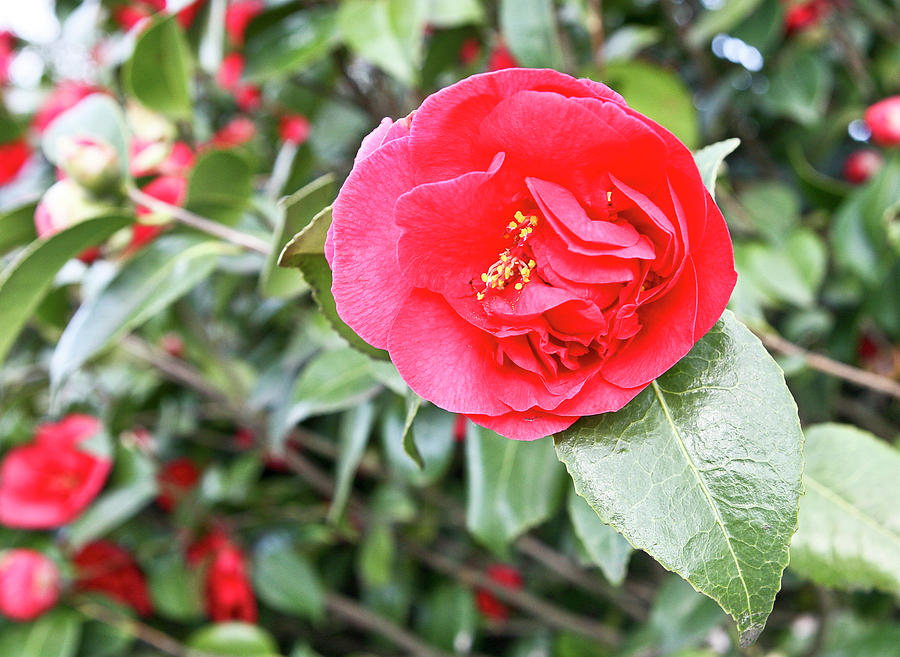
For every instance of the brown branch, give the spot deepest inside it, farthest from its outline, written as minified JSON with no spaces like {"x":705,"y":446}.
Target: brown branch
{"x":204,"y":225}
{"x":831,"y":367}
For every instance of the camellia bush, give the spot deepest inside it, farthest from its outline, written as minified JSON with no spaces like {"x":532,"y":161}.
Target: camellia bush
{"x":522,"y":328}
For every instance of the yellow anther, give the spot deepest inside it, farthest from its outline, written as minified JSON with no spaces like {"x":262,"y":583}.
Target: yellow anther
{"x":531,"y":264}
{"x":523,"y":233}
{"x":534,"y":221}
{"x":504,"y":257}
{"x":519,"y":215}
{"x":518,"y":286}
{"x":609,"y":198}
{"x":479,"y":296}
{"x":512,"y":225}
{"x":484,"y":278}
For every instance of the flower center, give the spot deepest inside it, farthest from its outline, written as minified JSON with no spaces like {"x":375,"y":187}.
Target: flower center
{"x":515,"y":264}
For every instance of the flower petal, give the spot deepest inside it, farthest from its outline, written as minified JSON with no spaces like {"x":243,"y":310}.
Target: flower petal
{"x":527,"y":425}
{"x":715,"y":259}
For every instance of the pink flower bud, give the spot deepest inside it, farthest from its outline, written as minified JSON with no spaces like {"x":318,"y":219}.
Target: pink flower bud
{"x":65,"y":204}
{"x":29,"y":584}
{"x":884,"y":120}
{"x":91,"y":162}
{"x":862,"y":165}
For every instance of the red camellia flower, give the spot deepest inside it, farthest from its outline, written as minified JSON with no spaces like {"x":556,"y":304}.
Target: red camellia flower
{"x":66,"y":94}
{"x":487,"y":603}
{"x":293,"y":129}
{"x":803,"y":15}
{"x":884,"y":119}
{"x":176,"y":479}
{"x":104,"y":567}
{"x":13,"y":156}
{"x":229,"y":595}
{"x":29,"y":584}
{"x":49,"y":481}
{"x":171,"y":190}
{"x":501,"y":58}
{"x":238,"y":16}
{"x":247,"y":96}
{"x":236,"y":132}
{"x":529,"y":250}
{"x":862,"y":165}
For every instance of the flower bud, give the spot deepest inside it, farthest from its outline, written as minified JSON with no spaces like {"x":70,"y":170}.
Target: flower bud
{"x":884,"y":120}
{"x":29,"y":584}
{"x":63,"y":205}
{"x":862,"y":165}
{"x":92,"y":163}
{"x":293,"y":129}
{"x":147,"y":125}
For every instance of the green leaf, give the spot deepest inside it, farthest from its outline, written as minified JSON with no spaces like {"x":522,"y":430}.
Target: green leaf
{"x":295,"y":212}
{"x":606,"y":547}
{"x":353,"y":435}
{"x":286,"y":581}
{"x":702,"y":471}
{"x":55,"y":634}
{"x":849,"y":535}
{"x":511,"y":486}
{"x":376,"y":556}
{"x":709,"y":160}
{"x":219,"y":186}
{"x":773,"y":208}
{"x":448,"y":618}
{"x":284,"y":40}
{"x":305,"y":252}
{"x":790,"y":273}
{"x":389,"y":33}
{"x":176,"y":589}
{"x":451,"y":13}
{"x":134,"y":486}
{"x":723,"y":19}
{"x":530,"y":31}
{"x":432,"y":432}
{"x":17,"y":227}
{"x":413,"y":402}
{"x":332,"y":381}
{"x":234,"y":640}
{"x":160,"y":274}
{"x":659,"y":93}
{"x":97,"y":116}
{"x":801,"y":87}
{"x":27,"y":280}
{"x":160,"y":69}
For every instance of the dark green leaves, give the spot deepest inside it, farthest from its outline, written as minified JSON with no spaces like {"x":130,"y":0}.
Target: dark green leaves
{"x":234,"y":640}
{"x":55,"y":634}
{"x":220,"y":186}
{"x":286,"y":581}
{"x":849,"y":535}
{"x":285,"y":40}
{"x":530,"y":32}
{"x":160,"y":69}
{"x":25,"y":282}
{"x":17,"y":227}
{"x":702,"y":471}
{"x":512,"y":486}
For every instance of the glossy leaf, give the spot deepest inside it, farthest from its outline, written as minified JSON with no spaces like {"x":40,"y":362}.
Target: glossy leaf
{"x":849,"y":535}
{"x":160,"y":69}
{"x":530,"y":31}
{"x":353,"y":436}
{"x":234,"y":639}
{"x":432,"y":432}
{"x":55,"y":634}
{"x":163,"y":272}
{"x":511,"y":486}
{"x":295,"y":212}
{"x":286,"y":40}
{"x":702,"y":471}
{"x":413,"y":403}
{"x":219,"y":186}
{"x":176,"y":589}
{"x":17,"y":227}
{"x":606,"y":547}
{"x":709,"y":160}
{"x":25,"y":282}
{"x":286,"y":581}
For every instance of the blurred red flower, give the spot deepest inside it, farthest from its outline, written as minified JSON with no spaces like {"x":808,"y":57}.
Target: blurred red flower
{"x":862,"y":165}
{"x":293,"y":128}
{"x":487,"y":603}
{"x":236,"y":132}
{"x":228,"y":593}
{"x":29,"y":584}
{"x":247,"y":96}
{"x":238,"y":16}
{"x":13,"y":156}
{"x":49,"y":481}
{"x":104,"y":567}
{"x":884,"y":120}
{"x":176,"y":479}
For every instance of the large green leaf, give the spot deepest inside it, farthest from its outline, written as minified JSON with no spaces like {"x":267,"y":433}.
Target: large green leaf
{"x":353,"y":435}
{"x":511,"y":486}
{"x":25,"y":282}
{"x":286,"y":581}
{"x":160,"y":69}
{"x":295,"y":212}
{"x":702,"y":471}
{"x":219,"y":186}
{"x":849,"y":535}
{"x":801,"y":87}
{"x":605,"y":546}
{"x":176,"y":589}
{"x":234,"y":639}
{"x":284,"y":40}
{"x":163,"y":272}
{"x":17,"y":227}
{"x":388,"y":33}
{"x":448,"y":618}
{"x":55,"y":634}
{"x":530,"y":31}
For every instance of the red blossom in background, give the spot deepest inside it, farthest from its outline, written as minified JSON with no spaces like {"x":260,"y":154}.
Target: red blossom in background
{"x":883,"y":118}
{"x":501,"y":58}
{"x":469,"y":51}
{"x":7,"y":53}
{"x":247,"y":96}
{"x":169,"y":189}
{"x":584,"y":258}
{"x":800,"y":16}
{"x":29,"y":584}
{"x":293,"y":129}
{"x":487,"y":602}
{"x":49,"y":481}
{"x":13,"y":156}
{"x":238,"y":16}
{"x":176,"y":479}
{"x":227,"y":589}
{"x":236,"y":132}
{"x":862,"y":165}
{"x":104,"y":567}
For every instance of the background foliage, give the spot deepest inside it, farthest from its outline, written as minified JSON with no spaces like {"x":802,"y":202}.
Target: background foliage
{"x":192,"y":346}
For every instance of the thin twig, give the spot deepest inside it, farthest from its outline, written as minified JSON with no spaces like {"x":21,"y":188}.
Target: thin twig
{"x":832,"y":367}
{"x":188,"y":218}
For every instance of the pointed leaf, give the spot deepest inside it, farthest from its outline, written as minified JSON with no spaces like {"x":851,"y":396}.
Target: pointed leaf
{"x":702,"y":471}
{"x":353,"y":433}
{"x":709,"y":160}
{"x":55,"y":634}
{"x":413,"y":402}
{"x":17,"y":227}
{"x":606,"y":547}
{"x":160,"y":69}
{"x":849,"y":535}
